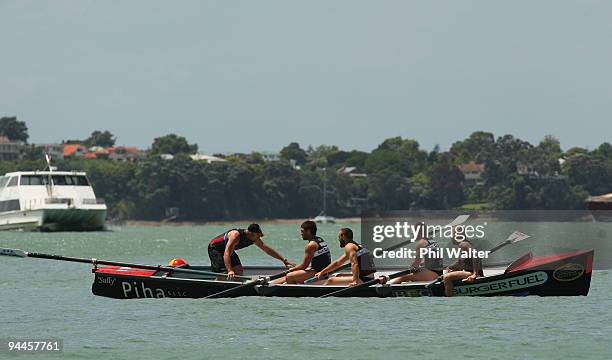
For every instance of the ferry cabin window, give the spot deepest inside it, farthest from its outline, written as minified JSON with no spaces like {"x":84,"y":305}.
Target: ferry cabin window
{"x":10,"y":205}
{"x":82,"y":181}
{"x":70,"y":180}
{"x":33,"y":180}
{"x":13,"y":181}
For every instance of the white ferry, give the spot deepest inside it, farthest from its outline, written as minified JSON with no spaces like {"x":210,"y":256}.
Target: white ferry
{"x":49,"y":201}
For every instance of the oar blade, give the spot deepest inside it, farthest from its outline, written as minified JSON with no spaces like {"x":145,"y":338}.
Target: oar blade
{"x":458,"y":220}
{"x":517,"y":236}
{"x":13,"y":252}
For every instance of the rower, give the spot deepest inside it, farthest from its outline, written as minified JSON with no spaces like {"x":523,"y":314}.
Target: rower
{"x":362,"y":262}
{"x":222,"y":254}
{"x":425,"y":268}
{"x":466,"y":269}
{"x":316,"y":256}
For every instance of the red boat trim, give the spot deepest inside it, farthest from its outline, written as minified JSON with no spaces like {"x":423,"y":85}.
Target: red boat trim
{"x":589,"y":267}
{"x":120,"y":270}
{"x":519,"y":262}
{"x":538,"y":261}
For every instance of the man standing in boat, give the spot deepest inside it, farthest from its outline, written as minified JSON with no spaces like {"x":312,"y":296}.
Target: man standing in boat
{"x":222,"y":250}
{"x":426,"y":268}
{"x":362,"y":262}
{"x":316,"y":256}
{"x":466,"y":269}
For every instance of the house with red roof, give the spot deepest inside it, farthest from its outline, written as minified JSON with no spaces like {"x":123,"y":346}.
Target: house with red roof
{"x":74,"y":150}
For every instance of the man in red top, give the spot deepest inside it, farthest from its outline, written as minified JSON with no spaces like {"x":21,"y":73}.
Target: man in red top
{"x":222,"y":254}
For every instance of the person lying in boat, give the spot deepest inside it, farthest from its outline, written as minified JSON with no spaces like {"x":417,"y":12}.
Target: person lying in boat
{"x":316,"y":256}
{"x":426,"y":268}
{"x":362,"y":262}
{"x":222,"y":254}
{"x":466,"y":269}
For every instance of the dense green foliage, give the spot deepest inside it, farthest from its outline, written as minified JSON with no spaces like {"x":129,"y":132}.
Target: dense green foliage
{"x":172,"y":144}
{"x":100,"y":138}
{"x":13,"y":129}
{"x":400,"y":175}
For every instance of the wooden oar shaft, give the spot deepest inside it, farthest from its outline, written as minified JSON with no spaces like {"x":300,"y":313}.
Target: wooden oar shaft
{"x":351,"y":289}
{"x":500,"y":246}
{"x":230,"y":291}
{"x":123,"y":264}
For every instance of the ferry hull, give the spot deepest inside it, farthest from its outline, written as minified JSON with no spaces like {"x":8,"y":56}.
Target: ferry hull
{"x":54,"y":220}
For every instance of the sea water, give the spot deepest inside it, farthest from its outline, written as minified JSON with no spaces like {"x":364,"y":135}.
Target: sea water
{"x":52,"y":299}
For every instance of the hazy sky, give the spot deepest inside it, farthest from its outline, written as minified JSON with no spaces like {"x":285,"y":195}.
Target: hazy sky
{"x":256,"y":75}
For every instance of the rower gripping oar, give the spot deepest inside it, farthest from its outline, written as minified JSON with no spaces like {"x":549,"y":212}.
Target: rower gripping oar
{"x":350,"y":289}
{"x":513,"y":238}
{"x":21,"y":253}
{"x":457,"y":221}
{"x":262,"y":280}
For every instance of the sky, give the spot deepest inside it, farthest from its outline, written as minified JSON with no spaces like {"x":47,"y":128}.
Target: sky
{"x":241,"y":76}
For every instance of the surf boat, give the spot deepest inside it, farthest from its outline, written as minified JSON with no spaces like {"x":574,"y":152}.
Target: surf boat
{"x":563,"y":274}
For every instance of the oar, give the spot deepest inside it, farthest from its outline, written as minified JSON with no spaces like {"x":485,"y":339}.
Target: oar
{"x":21,"y":253}
{"x":457,"y":221}
{"x":252,"y":283}
{"x":513,"y":238}
{"x":350,"y":289}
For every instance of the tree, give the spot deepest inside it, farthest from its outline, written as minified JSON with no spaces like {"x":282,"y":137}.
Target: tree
{"x":33,"y":153}
{"x":510,"y":150}
{"x":551,"y":146}
{"x":420,"y":191}
{"x":387,"y":160}
{"x":432,"y":157}
{"x":293,"y":152}
{"x":389,"y":191}
{"x":592,"y":173}
{"x":13,"y":129}
{"x":344,"y":158}
{"x":446,"y":183}
{"x":575,"y":151}
{"x":397,"y":155}
{"x":99,"y":138}
{"x":604,"y":150}
{"x":172,"y":144}
{"x":478,"y":148}
{"x":322,"y":151}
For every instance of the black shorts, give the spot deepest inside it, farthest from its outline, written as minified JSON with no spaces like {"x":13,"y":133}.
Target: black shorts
{"x":365,"y":278}
{"x":216,"y":260}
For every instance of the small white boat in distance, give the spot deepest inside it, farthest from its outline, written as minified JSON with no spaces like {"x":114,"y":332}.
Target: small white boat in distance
{"x":324,"y":219}
{"x":50,"y":201}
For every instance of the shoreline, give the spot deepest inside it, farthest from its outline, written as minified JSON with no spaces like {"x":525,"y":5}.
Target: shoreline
{"x":350,"y":220}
